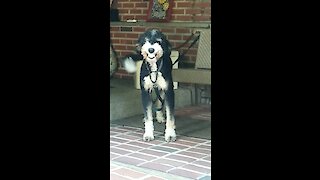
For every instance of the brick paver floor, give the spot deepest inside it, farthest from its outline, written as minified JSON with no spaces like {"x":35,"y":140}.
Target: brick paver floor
{"x":133,"y":158}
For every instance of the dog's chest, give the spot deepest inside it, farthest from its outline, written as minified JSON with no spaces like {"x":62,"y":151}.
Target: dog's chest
{"x":154,"y":79}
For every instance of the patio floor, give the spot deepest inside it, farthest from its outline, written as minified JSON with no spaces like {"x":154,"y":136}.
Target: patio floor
{"x":189,"y":157}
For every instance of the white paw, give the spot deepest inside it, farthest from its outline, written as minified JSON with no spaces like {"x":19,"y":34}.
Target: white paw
{"x":148,"y":136}
{"x":130,"y":65}
{"x":160,"y":117}
{"x":170,"y":135}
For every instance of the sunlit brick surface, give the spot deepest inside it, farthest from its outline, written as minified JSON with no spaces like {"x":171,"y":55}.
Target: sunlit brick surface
{"x":187,"y":157}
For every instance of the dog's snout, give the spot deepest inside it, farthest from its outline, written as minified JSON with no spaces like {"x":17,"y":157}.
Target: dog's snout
{"x":151,"y":50}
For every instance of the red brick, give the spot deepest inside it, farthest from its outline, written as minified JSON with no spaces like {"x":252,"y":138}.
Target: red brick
{"x":154,"y":153}
{"x":136,"y":134}
{"x":118,"y":151}
{"x":116,"y":34}
{"x":141,"y":5}
{"x":185,"y":173}
{"x":203,"y":151}
{"x":197,"y":168}
{"x":127,"y":5}
{"x":145,"y":11}
{"x":118,"y":130}
{"x":135,"y":11}
{"x":202,"y":163}
{"x":115,"y":41}
{"x":131,"y":35}
{"x":181,"y":158}
{"x":192,"y":154}
{"x":174,"y":37}
{"x":114,"y":29}
{"x":120,"y":47}
{"x":139,"y":29}
{"x":185,"y":143}
{"x":117,"y":140}
{"x":143,"y":156}
{"x":193,"y":11}
{"x":125,"y":41}
{"x":169,"y":162}
{"x":165,"y":149}
{"x":129,"y":160}
{"x":184,"y":4}
{"x":117,"y":177}
{"x":177,"y":146}
{"x":179,"y":30}
{"x":182,"y":18}
{"x":155,"y":142}
{"x":123,"y":11}
{"x":129,"y":173}
{"x":128,"y":147}
{"x":153,"y":178}
{"x":192,"y":139}
{"x":167,"y":30}
{"x":203,"y":4}
{"x":128,"y":137}
{"x":125,"y":52}
{"x":178,"y":11}
{"x":156,"y":166}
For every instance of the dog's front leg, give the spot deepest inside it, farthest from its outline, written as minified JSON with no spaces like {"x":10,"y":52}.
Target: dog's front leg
{"x":159,"y":114}
{"x":170,"y":133}
{"x":148,"y":125}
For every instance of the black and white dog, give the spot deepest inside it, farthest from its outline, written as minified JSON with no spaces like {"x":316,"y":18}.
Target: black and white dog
{"x":155,"y":78}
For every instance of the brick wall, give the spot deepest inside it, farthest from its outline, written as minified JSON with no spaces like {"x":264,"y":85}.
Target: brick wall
{"x":124,"y":38}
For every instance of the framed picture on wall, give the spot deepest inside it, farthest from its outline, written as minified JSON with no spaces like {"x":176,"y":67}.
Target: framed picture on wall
{"x":159,"y":10}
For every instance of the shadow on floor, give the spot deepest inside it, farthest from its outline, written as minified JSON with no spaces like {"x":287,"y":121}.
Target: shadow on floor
{"x":192,"y":121}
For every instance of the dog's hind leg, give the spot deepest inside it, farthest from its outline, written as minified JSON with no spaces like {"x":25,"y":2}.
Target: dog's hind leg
{"x":148,"y":119}
{"x":170,"y":133}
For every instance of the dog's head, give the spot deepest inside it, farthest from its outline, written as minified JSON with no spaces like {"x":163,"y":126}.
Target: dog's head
{"x":153,"y":45}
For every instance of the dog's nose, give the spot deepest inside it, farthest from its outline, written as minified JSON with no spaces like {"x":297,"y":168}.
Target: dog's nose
{"x":151,"y":50}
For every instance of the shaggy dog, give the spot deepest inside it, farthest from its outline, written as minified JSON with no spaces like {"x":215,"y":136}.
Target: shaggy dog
{"x":155,"y":81}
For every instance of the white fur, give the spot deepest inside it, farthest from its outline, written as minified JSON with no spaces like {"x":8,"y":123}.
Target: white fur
{"x":152,"y":57}
{"x":160,"y":117}
{"x":130,"y":65}
{"x":148,"y":126}
{"x":161,"y":82}
{"x":170,"y":133}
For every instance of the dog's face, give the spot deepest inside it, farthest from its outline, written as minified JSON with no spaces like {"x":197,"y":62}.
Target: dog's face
{"x":153,"y":45}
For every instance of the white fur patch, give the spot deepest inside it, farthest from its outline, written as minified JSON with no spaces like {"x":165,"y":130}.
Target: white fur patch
{"x":130,"y":65}
{"x":148,"y":134}
{"x":161,"y":82}
{"x":148,"y":126}
{"x":151,"y":57}
{"x":170,"y":134}
{"x":160,"y":117}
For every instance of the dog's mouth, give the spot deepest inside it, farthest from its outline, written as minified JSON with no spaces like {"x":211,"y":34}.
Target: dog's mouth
{"x":152,"y":56}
